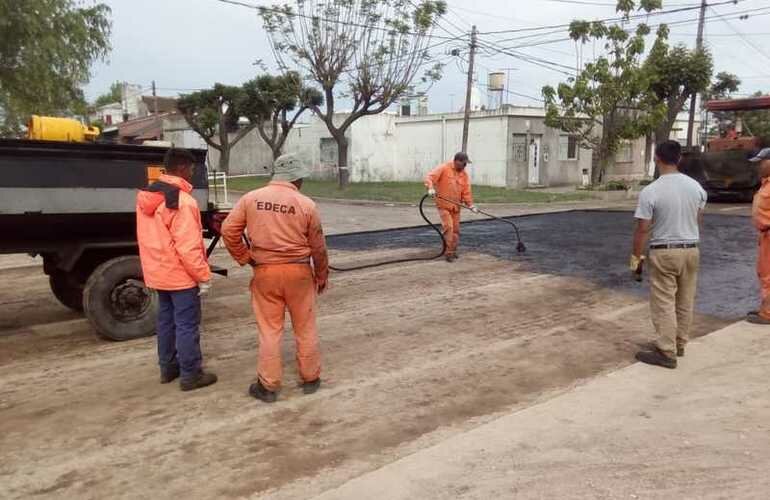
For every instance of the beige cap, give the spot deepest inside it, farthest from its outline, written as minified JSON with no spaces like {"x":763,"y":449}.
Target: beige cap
{"x":289,"y":168}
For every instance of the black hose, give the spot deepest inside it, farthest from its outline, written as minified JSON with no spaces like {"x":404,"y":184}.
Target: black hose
{"x":411,"y":259}
{"x":520,"y":244}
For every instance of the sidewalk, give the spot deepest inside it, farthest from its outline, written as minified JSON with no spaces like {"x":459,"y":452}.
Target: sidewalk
{"x":701,"y":431}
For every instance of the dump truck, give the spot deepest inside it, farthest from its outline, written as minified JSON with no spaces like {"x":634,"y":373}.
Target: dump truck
{"x":71,"y":201}
{"x":723,"y":167}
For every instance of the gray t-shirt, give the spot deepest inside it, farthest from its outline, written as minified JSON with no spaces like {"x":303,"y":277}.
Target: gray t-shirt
{"x":672,"y":203}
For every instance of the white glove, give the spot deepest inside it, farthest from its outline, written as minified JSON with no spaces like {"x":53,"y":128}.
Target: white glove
{"x":432,"y":192}
{"x":204,"y":288}
{"x":474,"y":209}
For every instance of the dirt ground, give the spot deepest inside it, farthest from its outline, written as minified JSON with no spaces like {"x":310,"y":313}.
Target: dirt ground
{"x":412,"y":354}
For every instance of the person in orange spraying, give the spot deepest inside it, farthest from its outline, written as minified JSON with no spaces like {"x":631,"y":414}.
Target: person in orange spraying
{"x":760,"y":215}
{"x":288,"y":253}
{"x":450,"y":183}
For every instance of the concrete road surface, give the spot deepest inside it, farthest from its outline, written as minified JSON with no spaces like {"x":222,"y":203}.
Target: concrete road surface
{"x":699,"y":432}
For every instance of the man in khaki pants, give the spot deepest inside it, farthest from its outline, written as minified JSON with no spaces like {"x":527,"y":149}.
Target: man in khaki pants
{"x":669,"y":215}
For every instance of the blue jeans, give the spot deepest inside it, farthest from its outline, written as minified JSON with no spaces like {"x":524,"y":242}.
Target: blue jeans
{"x":179,"y":319}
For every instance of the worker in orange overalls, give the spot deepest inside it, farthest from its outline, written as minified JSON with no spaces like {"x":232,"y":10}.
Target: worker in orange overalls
{"x":450,"y":183}
{"x":288,"y":253}
{"x":170,"y":238}
{"x":760,"y":214}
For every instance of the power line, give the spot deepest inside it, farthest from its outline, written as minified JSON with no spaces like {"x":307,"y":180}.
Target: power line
{"x":618,"y":19}
{"x":745,"y":39}
{"x":261,"y":8}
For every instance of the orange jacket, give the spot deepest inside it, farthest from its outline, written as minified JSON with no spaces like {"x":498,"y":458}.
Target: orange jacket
{"x":760,"y":208}
{"x":451,"y":184}
{"x":282,"y":226}
{"x":171,"y":240}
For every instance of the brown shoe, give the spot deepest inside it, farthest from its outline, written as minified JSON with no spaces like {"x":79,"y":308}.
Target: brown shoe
{"x":258,"y":391}
{"x":202,"y":380}
{"x":756,"y":319}
{"x":657,"y":358}
{"x":169,"y":373}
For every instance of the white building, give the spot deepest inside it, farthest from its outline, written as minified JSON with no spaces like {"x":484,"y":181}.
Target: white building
{"x":511,"y":147}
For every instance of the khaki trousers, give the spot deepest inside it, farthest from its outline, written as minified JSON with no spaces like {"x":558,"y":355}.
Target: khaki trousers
{"x":673,"y":281}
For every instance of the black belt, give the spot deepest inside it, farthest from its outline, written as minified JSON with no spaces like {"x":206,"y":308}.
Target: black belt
{"x":673,"y":245}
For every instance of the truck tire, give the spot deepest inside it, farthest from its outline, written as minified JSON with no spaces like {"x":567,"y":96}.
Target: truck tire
{"x":116,"y":302}
{"x":67,"y":289}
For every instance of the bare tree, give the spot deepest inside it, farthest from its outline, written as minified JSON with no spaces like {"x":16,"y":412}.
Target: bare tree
{"x":367,"y":52}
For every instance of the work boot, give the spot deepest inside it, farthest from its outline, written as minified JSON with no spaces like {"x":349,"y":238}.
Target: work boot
{"x":311,"y":387}
{"x":258,"y":391}
{"x":756,"y":319}
{"x":169,"y":373}
{"x":655,"y":357}
{"x":203,"y":379}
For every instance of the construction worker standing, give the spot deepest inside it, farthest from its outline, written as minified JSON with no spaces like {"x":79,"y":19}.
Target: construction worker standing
{"x":668,"y":215}
{"x":170,"y":236}
{"x":288,"y":253}
{"x":760,"y":214}
{"x":450,"y":185}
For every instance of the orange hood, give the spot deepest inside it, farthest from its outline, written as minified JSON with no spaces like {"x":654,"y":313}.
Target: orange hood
{"x":148,"y":202}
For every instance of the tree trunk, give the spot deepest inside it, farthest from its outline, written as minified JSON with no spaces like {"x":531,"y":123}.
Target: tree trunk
{"x":342,"y":160}
{"x":601,"y":162}
{"x":224,"y":160}
{"x":649,"y":144}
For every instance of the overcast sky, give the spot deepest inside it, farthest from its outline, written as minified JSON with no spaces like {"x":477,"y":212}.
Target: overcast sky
{"x":189,"y":44}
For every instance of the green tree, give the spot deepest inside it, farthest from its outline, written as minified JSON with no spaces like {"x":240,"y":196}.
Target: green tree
{"x":757,"y":123}
{"x":47,"y":48}
{"x":722,"y":87}
{"x":609,"y":100}
{"x":269,"y":102}
{"x":676,"y":73}
{"x":214,"y":115}
{"x":367,"y":52}
{"x":114,"y":95}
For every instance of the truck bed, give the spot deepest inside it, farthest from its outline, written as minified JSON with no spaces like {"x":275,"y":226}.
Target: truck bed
{"x":54,"y":191}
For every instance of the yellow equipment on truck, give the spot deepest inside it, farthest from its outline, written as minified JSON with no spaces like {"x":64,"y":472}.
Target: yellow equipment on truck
{"x":48,"y":128}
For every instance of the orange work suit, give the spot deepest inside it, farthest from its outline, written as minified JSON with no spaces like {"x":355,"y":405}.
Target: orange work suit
{"x":170,"y":240}
{"x":760,"y":215}
{"x":453,"y":185}
{"x":288,"y":253}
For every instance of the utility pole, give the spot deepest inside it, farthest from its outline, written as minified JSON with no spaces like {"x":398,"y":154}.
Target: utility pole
{"x":694,"y":98}
{"x":467,"y":119}
{"x":154,"y":99}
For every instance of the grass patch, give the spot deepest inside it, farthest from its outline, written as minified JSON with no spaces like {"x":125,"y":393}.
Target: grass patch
{"x":406,"y":191}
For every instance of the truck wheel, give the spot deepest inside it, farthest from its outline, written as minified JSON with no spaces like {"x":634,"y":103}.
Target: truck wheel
{"x":68,"y":289}
{"x":116,"y":302}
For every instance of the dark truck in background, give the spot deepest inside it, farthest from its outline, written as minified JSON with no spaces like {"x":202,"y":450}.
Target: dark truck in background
{"x":73,"y":203}
{"x":723,"y":169}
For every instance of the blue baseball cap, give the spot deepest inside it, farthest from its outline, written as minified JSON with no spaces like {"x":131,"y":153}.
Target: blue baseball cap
{"x":764,"y":154}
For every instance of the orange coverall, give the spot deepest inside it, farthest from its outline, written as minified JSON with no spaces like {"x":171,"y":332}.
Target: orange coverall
{"x":171,"y":245}
{"x":455,"y":186}
{"x":760,"y":214}
{"x":285,"y":233}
